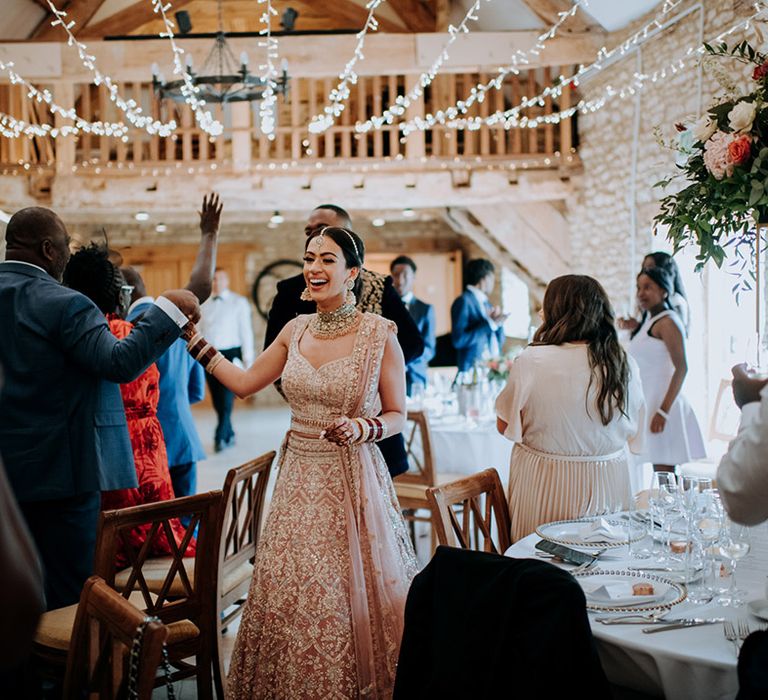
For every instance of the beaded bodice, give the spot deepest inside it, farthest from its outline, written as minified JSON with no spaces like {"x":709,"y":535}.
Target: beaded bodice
{"x":344,"y":386}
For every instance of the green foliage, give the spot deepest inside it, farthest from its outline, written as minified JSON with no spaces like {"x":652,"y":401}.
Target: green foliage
{"x":718,"y":216}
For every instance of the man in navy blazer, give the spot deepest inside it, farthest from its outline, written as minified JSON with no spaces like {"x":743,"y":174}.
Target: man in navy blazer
{"x":63,"y":433}
{"x":403,"y":271}
{"x":476,"y":325}
{"x":182,"y":382}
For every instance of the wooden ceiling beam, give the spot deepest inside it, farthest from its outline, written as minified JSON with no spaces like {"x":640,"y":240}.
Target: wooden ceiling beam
{"x":348,"y":13}
{"x":125,"y":21}
{"x":548,"y":12}
{"x":417,"y":16}
{"x":80,"y":11}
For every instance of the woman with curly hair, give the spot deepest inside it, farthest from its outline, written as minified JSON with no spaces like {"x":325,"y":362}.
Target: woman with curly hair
{"x":572,"y":402}
{"x":91,"y":272}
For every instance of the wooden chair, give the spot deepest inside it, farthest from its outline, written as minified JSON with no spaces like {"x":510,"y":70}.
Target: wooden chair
{"x":104,"y":630}
{"x":239,"y":526}
{"x":411,"y":487}
{"x":471,"y":508}
{"x":185,"y":603}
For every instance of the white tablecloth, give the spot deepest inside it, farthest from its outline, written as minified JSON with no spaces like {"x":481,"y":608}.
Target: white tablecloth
{"x":697,"y":663}
{"x":463,"y":447}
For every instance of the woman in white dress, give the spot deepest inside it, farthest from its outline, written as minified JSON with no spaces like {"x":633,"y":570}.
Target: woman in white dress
{"x":572,"y":402}
{"x":672,"y":435}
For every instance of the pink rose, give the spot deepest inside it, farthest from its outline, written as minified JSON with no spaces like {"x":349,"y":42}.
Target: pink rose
{"x":716,"y":157}
{"x":740,"y":149}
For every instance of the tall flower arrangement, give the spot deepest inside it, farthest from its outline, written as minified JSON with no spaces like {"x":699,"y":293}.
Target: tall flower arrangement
{"x":723,"y":159}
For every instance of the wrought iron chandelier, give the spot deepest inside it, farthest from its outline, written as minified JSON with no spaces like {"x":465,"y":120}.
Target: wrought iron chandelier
{"x":221,"y":78}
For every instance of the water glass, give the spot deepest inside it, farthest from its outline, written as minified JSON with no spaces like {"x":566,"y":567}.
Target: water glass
{"x":734,"y":545}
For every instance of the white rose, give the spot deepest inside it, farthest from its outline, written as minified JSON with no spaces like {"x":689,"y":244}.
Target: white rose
{"x":704,"y":128}
{"x":740,"y":118}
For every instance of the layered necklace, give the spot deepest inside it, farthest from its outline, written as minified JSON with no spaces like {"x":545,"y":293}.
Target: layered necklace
{"x":334,"y":324}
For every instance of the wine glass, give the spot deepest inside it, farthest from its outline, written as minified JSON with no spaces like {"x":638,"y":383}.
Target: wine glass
{"x":734,"y":545}
{"x":663,"y":499}
{"x":707,"y":526}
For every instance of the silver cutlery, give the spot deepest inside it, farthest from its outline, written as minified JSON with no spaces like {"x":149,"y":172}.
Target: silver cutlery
{"x":682,"y":624}
{"x":730,"y":634}
{"x":638,"y":619}
{"x":743,"y":629}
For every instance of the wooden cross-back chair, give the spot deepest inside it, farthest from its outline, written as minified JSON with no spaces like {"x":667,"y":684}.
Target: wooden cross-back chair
{"x":411,"y":487}
{"x":186,"y":604}
{"x":472,"y":513}
{"x":242,"y":510}
{"x":106,"y":625}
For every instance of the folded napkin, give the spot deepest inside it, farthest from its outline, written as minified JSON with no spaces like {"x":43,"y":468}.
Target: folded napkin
{"x":615,"y":593}
{"x":600,"y":530}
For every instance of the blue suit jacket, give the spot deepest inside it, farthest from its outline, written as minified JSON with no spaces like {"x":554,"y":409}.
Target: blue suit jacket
{"x":423,"y":316}
{"x":470,"y":330}
{"x":62,"y":427}
{"x":182,"y":382}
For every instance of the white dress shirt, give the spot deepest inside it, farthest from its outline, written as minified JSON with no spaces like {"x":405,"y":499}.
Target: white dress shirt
{"x":742,"y":476}
{"x":226,"y":323}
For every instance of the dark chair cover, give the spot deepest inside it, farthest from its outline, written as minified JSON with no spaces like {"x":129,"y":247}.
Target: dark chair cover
{"x":753,"y":667}
{"x":481,"y":625}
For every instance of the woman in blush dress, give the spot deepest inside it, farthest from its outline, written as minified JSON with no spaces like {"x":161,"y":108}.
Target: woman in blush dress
{"x":324,"y":615}
{"x":672,"y":433}
{"x":571,"y":404}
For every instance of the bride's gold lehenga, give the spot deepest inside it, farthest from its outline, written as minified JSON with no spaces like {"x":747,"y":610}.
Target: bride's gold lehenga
{"x":324,"y":615}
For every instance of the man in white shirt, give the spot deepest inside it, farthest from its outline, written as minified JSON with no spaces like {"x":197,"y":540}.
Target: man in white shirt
{"x":742,"y":476}
{"x":226,"y":324}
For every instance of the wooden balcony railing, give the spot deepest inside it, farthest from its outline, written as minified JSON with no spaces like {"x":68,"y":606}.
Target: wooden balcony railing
{"x":242,"y":142}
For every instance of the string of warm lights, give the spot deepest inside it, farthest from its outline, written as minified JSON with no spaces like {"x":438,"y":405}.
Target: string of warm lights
{"x":132,"y":111}
{"x":203,"y":117}
{"x":267,"y":106}
{"x":449,"y":117}
{"x":477,"y":93}
{"x":402,"y":102}
{"x":340,"y":94}
{"x":638,"y":81}
{"x":116,"y":129}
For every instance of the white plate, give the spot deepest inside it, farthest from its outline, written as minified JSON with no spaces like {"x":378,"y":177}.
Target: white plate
{"x":759,"y":608}
{"x":595,"y":584}
{"x":567,"y":532}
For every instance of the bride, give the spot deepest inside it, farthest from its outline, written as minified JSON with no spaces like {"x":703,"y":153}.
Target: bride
{"x":324,"y":614}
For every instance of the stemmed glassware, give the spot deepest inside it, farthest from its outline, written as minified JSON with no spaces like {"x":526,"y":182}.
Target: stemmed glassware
{"x":734,"y":545}
{"x":707,"y":527}
{"x":663,"y":499}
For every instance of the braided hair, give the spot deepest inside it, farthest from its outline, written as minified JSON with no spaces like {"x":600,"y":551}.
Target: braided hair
{"x":90,"y":272}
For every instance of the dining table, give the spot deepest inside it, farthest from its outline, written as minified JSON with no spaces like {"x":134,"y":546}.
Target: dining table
{"x":465,"y":446}
{"x":681,"y":664}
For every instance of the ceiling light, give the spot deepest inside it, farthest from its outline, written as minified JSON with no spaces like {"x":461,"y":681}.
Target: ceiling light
{"x":408,"y":213}
{"x":161,"y":228}
{"x":378,"y":222}
{"x":276,"y":218}
{"x":141,"y":216}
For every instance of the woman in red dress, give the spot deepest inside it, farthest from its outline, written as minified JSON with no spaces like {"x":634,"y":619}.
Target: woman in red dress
{"x":90,"y":271}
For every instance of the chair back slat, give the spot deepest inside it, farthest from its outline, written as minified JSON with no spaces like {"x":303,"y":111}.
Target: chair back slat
{"x":472,"y":513}
{"x":105,"y":625}
{"x":418,"y":445}
{"x":199,"y":591}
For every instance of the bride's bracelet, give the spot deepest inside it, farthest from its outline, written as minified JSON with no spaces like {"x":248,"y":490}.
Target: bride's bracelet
{"x":207,"y":355}
{"x":371,"y":429}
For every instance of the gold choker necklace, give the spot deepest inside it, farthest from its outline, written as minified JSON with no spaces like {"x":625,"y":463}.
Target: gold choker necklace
{"x":334,"y":324}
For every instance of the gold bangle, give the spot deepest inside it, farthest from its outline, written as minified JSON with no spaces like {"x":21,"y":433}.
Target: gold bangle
{"x":214,"y":362}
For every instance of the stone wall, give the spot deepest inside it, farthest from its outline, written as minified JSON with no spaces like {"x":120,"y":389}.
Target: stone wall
{"x":611,"y":217}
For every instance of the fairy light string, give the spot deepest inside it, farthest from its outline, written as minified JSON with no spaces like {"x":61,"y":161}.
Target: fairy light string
{"x":268,"y":104}
{"x":129,"y":107}
{"x":340,"y":94}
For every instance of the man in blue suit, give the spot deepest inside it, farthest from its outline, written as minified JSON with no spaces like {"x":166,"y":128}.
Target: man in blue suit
{"x":182,"y":382}
{"x":63,"y":433}
{"x":403,"y":271}
{"x":476,"y":325}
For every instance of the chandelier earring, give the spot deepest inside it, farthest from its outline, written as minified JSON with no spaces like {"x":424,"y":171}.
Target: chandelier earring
{"x":305,"y":295}
{"x":351,"y":299}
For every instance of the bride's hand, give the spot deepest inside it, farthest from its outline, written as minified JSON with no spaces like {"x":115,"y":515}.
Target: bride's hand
{"x":343,"y":431}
